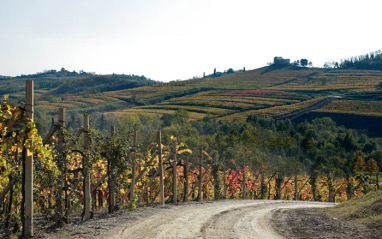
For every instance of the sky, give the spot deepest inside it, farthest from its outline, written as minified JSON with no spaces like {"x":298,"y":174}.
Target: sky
{"x":169,"y":40}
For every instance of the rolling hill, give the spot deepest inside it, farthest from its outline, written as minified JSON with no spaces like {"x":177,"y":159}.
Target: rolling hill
{"x":273,"y":91}
{"x":268,"y":92}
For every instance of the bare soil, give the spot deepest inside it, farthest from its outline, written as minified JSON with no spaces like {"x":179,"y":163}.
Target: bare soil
{"x":314,"y":223}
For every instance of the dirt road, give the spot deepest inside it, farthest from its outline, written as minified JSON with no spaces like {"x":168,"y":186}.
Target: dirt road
{"x":223,"y":219}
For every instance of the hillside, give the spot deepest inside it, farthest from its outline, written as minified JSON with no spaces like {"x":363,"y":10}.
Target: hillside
{"x":74,"y":91}
{"x":274,"y":91}
{"x":271,"y":91}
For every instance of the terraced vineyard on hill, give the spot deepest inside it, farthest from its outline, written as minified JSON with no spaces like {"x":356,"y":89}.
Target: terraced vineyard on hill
{"x":270,"y":91}
{"x":266,"y":92}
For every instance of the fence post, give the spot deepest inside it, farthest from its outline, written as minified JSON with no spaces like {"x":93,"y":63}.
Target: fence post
{"x":60,"y":149}
{"x":28,"y":169}
{"x":87,"y":188}
{"x":174,"y":176}
{"x":111,"y":179}
{"x":186,"y":192}
{"x":200,"y":193}
{"x":133,"y":164}
{"x":159,"y":139}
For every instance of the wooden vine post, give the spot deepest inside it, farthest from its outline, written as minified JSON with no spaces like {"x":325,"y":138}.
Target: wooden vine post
{"x":110,"y":177}
{"x":87,"y":189}
{"x":279,"y":182}
{"x":296,"y":185}
{"x":132,"y":192}
{"x":159,"y":139}
{"x":263,"y":187}
{"x":330,"y":188}
{"x":377,"y":181}
{"x":28,"y":167}
{"x":224,"y":179}
{"x":200,"y":193}
{"x":174,"y":187}
{"x":216,"y":178}
{"x":243,"y":178}
{"x":62,"y":168}
{"x":186,"y":183}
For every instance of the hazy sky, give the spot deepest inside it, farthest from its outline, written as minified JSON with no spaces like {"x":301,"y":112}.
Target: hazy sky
{"x":178,"y":39}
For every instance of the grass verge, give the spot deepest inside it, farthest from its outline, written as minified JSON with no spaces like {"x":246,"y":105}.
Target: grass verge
{"x":365,"y":210}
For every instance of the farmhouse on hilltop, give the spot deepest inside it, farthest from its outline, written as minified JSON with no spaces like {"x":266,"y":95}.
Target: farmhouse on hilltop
{"x":278,"y":60}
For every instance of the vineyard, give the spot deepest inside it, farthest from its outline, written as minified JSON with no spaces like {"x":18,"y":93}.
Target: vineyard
{"x":266,"y":92}
{"x":271,"y":91}
{"x":68,"y":177}
{"x":220,"y":104}
{"x":369,"y":108}
{"x":335,"y":80}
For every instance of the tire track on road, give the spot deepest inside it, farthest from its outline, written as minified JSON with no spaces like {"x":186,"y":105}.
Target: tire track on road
{"x":221,"y":219}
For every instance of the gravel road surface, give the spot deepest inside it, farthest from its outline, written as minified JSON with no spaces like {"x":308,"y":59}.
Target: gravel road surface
{"x":223,"y":219}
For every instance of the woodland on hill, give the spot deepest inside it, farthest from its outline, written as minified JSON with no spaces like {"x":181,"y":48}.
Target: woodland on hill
{"x":370,"y":61}
{"x":56,"y":83}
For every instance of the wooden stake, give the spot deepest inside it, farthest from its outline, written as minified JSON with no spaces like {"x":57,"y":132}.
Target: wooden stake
{"x":62,"y":177}
{"x":87,"y":194}
{"x":132,"y":195}
{"x":28,"y":187}
{"x":224,"y":179}
{"x":216,"y":183}
{"x":174,"y":187}
{"x":263,"y":189}
{"x":244,"y":178}
{"x":159,"y":139}
{"x":50,"y":134}
{"x":111,"y":181}
{"x":377,"y":181}
{"x":200,"y":193}
{"x":295,"y":186}
{"x":186,"y":185}
{"x":148,"y":185}
{"x":140,"y":175}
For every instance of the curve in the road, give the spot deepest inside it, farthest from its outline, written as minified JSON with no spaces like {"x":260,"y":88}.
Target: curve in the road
{"x":223,"y":219}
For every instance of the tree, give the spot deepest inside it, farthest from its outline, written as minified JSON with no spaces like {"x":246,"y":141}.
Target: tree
{"x":371,"y":166}
{"x":101,"y":122}
{"x":230,"y":71}
{"x":359,"y":165}
{"x":181,"y":116}
{"x":304,"y":62}
{"x":278,"y":60}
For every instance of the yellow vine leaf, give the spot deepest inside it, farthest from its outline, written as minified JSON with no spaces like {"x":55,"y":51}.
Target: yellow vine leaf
{"x":185,"y":151}
{"x":29,"y":153}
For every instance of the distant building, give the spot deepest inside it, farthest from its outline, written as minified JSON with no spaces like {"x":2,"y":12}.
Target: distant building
{"x":278,"y":60}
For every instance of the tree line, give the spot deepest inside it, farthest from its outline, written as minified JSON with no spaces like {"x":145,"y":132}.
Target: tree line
{"x":369,"y":61}
{"x":317,"y":145}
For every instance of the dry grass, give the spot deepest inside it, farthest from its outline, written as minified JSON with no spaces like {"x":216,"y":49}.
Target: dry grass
{"x":366,"y":210}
